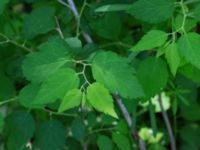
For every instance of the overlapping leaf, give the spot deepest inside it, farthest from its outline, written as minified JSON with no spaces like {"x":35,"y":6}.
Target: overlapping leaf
{"x":189,"y":48}
{"x":152,"y":39}
{"x":51,"y":56}
{"x":114,"y":72}
{"x":40,"y":21}
{"x":98,"y":96}
{"x":152,"y":11}
{"x":50,"y":136}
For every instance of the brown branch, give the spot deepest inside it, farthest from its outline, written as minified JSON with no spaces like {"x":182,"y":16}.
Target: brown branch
{"x":167,"y":123}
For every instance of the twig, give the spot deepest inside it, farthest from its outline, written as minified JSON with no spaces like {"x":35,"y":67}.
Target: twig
{"x":121,"y":106}
{"x":167,"y":123}
{"x":87,"y":38}
{"x":8,"y":101}
{"x":8,"y":40}
{"x":59,"y":114}
{"x":58,"y":29}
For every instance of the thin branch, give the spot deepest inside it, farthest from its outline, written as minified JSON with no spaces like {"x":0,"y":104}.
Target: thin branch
{"x":59,"y":114}
{"x":87,"y":38}
{"x":58,"y":29}
{"x":167,"y":123}
{"x":128,"y":119}
{"x":8,"y":101}
{"x":8,"y":40}
{"x":121,"y":106}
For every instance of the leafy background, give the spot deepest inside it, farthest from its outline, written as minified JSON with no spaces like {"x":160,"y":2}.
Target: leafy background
{"x":114,"y":75}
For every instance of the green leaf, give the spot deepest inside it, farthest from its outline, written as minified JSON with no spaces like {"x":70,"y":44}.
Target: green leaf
{"x":153,"y":75}
{"x":108,"y":27}
{"x":2,"y":122}
{"x":191,"y":72}
{"x":197,"y":12}
{"x":104,"y":143}
{"x":113,"y":7}
{"x":40,"y":21}
{"x":190,"y":134}
{"x":172,"y":57}
{"x":78,"y":129}
{"x":189,"y":48}
{"x":114,"y":72}
{"x":71,"y":99}
{"x":121,"y":141}
{"x":152,"y":11}
{"x":28,"y":94}
{"x":19,"y":129}
{"x":56,"y":86}
{"x":40,"y":65}
{"x":7,"y":89}
{"x":152,"y":39}
{"x":98,"y":96}
{"x":3,"y":3}
{"x":50,"y":136}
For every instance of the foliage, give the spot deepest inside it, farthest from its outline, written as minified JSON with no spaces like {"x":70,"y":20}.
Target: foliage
{"x":114,"y":75}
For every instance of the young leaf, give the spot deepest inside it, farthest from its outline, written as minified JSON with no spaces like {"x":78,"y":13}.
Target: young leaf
{"x":113,"y":7}
{"x":40,"y":65}
{"x":40,"y":21}
{"x":152,"y":11}
{"x":197,"y":12}
{"x":71,"y":99}
{"x":56,"y":86}
{"x":152,"y":39}
{"x":50,"y":136}
{"x":153,"y":75}
{"x":189,"y":48}
{"x":114,"y":72}
{"x":98,"y":96}
{"x":173,"y":58}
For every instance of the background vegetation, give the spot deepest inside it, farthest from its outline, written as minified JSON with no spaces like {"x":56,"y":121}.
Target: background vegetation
{"x":99,"y":74}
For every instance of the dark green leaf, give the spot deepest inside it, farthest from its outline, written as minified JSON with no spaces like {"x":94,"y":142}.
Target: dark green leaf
{"x":50,"y":136}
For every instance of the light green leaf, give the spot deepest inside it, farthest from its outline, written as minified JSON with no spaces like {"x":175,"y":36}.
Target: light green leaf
{"x":121,"y":141}
{"x":113,"y":7}
{"x":153,"y":75}
{"x":114,"y":72}
{"x":152,"y":11}
{"x":3,"y":3}
{"x":71,"y":99}
{"x":19,"y":129}
{"x":56,"y":86}
{"x":50,"y":136}
{"x":172,"y":57}
{"x":98,"y":96}
{"x":40,"y":65}
{"x":104,"y":143}
{"x":40,"y":21}
{"x":152,"y":39}
{"x":189,"y":48}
